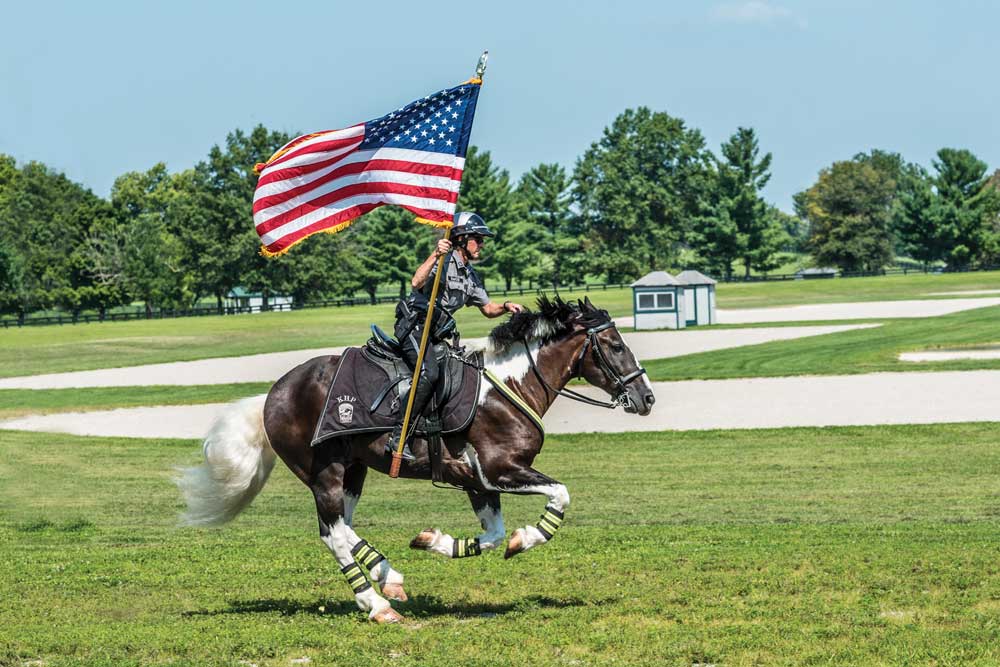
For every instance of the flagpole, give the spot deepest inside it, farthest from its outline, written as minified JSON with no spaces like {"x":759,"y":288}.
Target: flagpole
{"x":397,"y":456}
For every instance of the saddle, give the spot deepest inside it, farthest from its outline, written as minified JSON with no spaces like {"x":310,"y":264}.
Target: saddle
{"x":366,"y":393}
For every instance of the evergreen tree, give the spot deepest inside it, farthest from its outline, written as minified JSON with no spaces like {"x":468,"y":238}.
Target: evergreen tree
{"x":486,"y":190}
{"x":545,"y":193}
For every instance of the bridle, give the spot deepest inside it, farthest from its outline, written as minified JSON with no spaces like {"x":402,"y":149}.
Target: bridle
{"x":621,"y":397}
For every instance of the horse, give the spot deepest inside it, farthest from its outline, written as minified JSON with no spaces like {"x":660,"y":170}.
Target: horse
{"x":535,"y":353}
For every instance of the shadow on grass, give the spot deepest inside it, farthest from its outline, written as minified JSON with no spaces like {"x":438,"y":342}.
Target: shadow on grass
{"x":422,"y":606}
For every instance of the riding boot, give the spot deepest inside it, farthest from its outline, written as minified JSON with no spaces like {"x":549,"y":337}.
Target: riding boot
{"x":424,"y":390}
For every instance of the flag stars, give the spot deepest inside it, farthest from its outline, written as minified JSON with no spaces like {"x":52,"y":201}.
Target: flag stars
{"x":448,"y":143}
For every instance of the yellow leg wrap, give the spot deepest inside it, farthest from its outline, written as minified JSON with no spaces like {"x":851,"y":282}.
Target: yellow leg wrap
{"x":355,"y":578}
{"x":550,"y":522}
{"x":366,"y":555}
{"x":465,"y":548}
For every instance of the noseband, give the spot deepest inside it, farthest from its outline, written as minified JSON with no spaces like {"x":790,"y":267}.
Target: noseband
{"x":621,"y":398}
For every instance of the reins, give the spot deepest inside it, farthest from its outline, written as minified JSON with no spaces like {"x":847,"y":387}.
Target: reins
{"x":621,"y":399}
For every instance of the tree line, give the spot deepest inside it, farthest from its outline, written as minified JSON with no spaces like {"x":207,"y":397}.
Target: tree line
{"x":648,"y":194}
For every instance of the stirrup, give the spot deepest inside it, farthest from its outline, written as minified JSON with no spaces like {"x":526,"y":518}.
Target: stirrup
{"x":393,"y":443}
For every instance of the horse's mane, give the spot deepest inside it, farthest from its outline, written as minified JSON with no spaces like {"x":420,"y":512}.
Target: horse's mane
{"x":553,"y":318}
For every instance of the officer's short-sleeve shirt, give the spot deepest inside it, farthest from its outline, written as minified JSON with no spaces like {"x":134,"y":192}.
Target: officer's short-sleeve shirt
{"x":461,"y":286}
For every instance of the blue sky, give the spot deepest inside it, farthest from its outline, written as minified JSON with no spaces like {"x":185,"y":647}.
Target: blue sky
{"x":98,"y":89}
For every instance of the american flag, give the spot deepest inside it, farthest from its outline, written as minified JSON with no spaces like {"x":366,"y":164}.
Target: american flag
{"x":412,"y":157}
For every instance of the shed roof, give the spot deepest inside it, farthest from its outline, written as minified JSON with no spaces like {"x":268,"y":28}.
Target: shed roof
{"x":656,"y":279}
{"x":691,"y":277}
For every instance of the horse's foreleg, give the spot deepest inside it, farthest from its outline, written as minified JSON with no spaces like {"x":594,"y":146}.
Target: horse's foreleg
{"x":487,"y":507}
{"x":530,"y":481}
{"x":390,"y":581}
{"x":344,"y":544}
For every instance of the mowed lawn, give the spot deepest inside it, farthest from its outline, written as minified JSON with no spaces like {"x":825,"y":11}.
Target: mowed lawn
{"x":846,"y":353}
{"x":864,"y":546}
{"x":51,"y":349}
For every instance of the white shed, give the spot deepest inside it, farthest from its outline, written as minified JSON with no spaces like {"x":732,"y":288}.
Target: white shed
{"x":699,"y":297}
{"x":658,"y":302}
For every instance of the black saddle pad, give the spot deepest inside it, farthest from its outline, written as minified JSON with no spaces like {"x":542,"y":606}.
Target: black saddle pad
{"x":364,"y":396}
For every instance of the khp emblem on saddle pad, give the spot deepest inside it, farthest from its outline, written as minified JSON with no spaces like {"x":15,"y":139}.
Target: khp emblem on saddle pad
{"x":345,"y":408}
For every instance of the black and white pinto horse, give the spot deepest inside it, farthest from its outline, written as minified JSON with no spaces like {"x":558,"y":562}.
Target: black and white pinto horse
{"x":535,"y":353}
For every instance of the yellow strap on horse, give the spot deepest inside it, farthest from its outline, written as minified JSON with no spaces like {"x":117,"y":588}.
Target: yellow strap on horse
{"x":514,"y":398}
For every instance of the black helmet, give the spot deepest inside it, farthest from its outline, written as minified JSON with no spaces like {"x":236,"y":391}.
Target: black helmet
{"x":468,"y":223}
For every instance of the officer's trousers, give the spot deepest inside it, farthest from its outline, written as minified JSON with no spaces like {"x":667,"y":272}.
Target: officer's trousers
{"x":425,"y":383}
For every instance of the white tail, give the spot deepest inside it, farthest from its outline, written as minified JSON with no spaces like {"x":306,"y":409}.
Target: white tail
{"x":238,"y":460}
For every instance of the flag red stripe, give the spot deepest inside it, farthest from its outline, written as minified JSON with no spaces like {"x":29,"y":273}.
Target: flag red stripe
{"x":417,"y":168}
{"x":318,"y":147}
{"x":352,"y":190}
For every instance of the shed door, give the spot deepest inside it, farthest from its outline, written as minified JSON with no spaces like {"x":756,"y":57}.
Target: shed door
{"x":690,"y":306}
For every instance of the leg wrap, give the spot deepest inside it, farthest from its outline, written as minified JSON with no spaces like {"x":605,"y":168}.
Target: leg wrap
{"x":355,"y":578}
{"x":464,"y":548}
{"x":550,"y":522}
{"x":366,"y":555}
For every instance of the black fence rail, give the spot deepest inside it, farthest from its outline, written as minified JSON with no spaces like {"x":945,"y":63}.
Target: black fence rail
{"x":141,"y":314}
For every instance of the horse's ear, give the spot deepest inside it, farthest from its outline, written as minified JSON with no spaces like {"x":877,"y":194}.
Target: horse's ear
{"x":587,"y":304}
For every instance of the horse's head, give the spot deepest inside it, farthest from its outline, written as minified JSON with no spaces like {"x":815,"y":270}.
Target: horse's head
{"x":606,"y":361}
{"x":600,"y":356}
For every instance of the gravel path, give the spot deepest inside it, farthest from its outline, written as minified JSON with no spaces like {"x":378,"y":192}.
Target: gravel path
{"x":853,"y":311}
{"x":880,"y":398}
{"x":269,"y":367}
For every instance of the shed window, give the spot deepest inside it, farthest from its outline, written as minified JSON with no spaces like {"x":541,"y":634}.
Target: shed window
{"x":656,"y":301}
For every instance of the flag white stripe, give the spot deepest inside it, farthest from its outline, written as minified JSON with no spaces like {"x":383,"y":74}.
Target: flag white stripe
{"x":386,"y":198}
{"x":400,"y":177}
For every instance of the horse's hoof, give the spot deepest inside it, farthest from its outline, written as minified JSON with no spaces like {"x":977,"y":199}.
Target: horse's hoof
{"x":515,"y":545}
{"x":426,"y":539}
{"x":394,"y":592}
{"x":387,"y":615}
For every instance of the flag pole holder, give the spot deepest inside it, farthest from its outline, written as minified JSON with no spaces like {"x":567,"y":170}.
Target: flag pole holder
{"x":397,"y":456}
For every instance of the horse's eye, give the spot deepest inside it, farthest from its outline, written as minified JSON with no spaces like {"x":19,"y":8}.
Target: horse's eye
{"x":617,"y":347}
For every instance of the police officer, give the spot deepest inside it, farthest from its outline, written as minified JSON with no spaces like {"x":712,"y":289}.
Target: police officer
{"x":460,"y":286}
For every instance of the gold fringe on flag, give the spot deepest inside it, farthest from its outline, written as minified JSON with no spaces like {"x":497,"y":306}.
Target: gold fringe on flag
{"x":332,"y":230}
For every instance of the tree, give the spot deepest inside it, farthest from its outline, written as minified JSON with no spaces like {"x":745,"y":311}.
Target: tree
{"x":136,"y":253}
{"x":915,"y":218}
{"x":389,"y":248}
{"x":486,"y":190}
{"x":849,"y":210}
{"x":967,"y":209}
{"x":741,"y":178}
{"x":639,"y":188}
{"x":545,"y":193}
{"x":223,"y":248}
{"x":46,"y":217}
{"x":951,"y":215}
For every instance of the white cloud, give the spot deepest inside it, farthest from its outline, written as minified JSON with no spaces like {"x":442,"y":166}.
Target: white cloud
{"x":755,"y":11}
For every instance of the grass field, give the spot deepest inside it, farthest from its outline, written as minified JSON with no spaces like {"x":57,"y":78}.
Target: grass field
{"x":53,"y":349}
{"x":18,"y":402}
{"x":861,"y":546}
{"x":849,"y":352}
